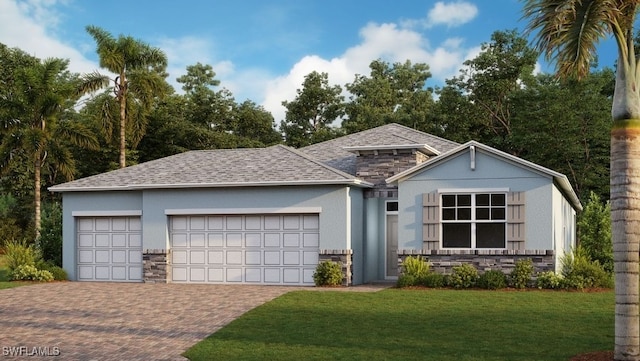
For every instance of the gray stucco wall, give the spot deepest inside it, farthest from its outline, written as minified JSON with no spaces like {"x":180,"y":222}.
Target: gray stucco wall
{"x":341,"y":222}
{"x":490,"y":173}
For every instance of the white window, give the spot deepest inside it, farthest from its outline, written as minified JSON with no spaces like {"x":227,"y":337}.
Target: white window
{"x":474,"y":220}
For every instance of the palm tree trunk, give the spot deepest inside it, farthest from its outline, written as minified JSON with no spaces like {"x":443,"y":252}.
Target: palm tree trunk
{"x":123,"y":125}
{"x":36,"y":193}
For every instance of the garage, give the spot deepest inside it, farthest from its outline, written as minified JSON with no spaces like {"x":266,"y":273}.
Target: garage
{"x":244,"y":248}
{"x":109,"y":249}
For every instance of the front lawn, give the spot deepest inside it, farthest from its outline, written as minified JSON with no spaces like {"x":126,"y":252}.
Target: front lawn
{"x":417,"y":325}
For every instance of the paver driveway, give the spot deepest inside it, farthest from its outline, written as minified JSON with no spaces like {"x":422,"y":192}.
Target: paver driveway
{"x":119,"y":321}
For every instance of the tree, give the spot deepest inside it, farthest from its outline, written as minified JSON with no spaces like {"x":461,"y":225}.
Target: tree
{"x":140,"y":73}
{"x":391,"y":94}
{"x":594,"y":231}
{"x":310,"y":115}
{"x":572,"y":121}
{"x":567,"y":33}
{"x":485,"y":87}
{"x":37,"y":128}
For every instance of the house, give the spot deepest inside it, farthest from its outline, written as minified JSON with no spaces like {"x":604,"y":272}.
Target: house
{"x":269,"y":215}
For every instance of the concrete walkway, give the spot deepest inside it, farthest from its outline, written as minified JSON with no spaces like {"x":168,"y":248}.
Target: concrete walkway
{"x":122,"y":321}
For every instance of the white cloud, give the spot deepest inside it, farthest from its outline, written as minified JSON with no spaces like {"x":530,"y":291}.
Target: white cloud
{"x":29,"y":26}
{"x":451,"y":14}
{"x":379,"y":41}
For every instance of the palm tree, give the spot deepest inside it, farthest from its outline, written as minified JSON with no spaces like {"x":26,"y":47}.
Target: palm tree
{"x":567,"y":33}
{"x":36,"y":129}
{"x":139,"y":77}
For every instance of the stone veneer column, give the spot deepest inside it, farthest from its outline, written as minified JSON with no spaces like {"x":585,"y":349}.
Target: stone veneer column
{"x":343,"y":256}
{"x":156,"y":266}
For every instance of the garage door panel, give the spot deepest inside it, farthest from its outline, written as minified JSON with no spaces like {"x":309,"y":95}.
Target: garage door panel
{"x":215,"y":240}
{"x":310,"y":258}
{"x":119,"y":240}
{"x":234,"y":222}
{"x":197,"y":274}
{"x":253,"y":240}
{"x":179,"y":274}
{"x":197,"y":257}
{"x":291,"y":275}
{"x":311,"y":222}
{"x":216,"y":257}
{"x":109,"y":249}
{"x":234,"y":257}
{"x":253,"y":223}
{"x":272,"y":240}
{"x":179,"y":257}
{"x":103,"y":273}
{"x":310,"y":240}
{"x":216,"y":275}
{"x":234,"y":240}
{"x":253,"y":257}
{"x":272,"y":257}
{"x":234,"y":275}
{"x":253,"y":275}
{"x":197,"y":240}
{"x":291,"y":258}
{"x":260,"y":249}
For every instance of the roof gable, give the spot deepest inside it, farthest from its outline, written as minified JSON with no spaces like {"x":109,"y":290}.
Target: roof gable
{"x":559,"y":179}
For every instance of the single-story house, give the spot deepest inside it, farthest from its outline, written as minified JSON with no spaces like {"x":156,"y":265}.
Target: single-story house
{"x":269,"y":215}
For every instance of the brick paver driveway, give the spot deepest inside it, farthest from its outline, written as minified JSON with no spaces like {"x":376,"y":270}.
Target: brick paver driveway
{"x":119,"y":321}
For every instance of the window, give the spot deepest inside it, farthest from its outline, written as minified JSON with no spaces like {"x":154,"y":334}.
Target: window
{"x":474,"y":220}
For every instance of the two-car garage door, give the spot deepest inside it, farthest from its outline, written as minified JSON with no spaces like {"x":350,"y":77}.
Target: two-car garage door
{"x":257,"y":249}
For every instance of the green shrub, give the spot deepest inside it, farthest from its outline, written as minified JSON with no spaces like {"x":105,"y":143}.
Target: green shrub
{"x":18,"y":253}
{"x":549,"y":280}
{"x":463,"y":276}
{"x":406,"y":280}
{"x":433,"y":280}
{"x":520,"y":277}
{"x":580,"y":272}
{"x":594,"y":231}
{"x":492,"y":280}
{"x":50,"y":241}
{"x":328,"y":274}
{"x":416,"y":266}
{"x":59,"y":274}
{"x":31,"y":273}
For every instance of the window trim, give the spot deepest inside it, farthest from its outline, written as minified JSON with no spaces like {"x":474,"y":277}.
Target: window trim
{"x":473,"y":221}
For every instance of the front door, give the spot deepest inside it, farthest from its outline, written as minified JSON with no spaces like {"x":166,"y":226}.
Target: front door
{"x":392,"y":245}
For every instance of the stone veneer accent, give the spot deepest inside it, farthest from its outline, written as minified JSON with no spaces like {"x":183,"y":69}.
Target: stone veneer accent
{"x":375,"y":166}
{"x":442,"y":261}
{"x":155,"y":266}
{"x":344,"y":256}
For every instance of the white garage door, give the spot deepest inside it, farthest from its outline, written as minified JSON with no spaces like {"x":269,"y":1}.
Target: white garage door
{"x":109,"y":249}
{"x":260,"y":249}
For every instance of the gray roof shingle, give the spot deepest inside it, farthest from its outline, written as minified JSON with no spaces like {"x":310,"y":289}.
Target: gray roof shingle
{"x":277,"y":164}
{"x":334,"y":154}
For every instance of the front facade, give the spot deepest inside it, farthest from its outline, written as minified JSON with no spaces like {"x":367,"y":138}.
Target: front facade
{"x":268,"y":216}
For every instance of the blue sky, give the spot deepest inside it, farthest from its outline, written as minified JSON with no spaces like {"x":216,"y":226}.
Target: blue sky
{"x":261,"y":50}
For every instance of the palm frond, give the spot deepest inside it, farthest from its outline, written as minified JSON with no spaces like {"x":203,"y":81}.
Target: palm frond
{"x":77,"y":134}
{"x":568,"y":31}
{"x":92,"y":82}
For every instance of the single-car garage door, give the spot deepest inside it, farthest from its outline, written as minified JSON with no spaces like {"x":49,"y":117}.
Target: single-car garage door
{"x":109,"y":249}
{"x":260,"y":249}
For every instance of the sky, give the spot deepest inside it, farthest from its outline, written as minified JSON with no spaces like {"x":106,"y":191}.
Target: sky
{"x":261,"y":50}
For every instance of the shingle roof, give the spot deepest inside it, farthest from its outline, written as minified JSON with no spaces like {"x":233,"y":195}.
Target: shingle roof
{"x":275,"y":165}
{"x":334,"y":154}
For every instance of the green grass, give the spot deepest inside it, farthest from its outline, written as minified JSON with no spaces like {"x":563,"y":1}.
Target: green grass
{"x":398,"y":324}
